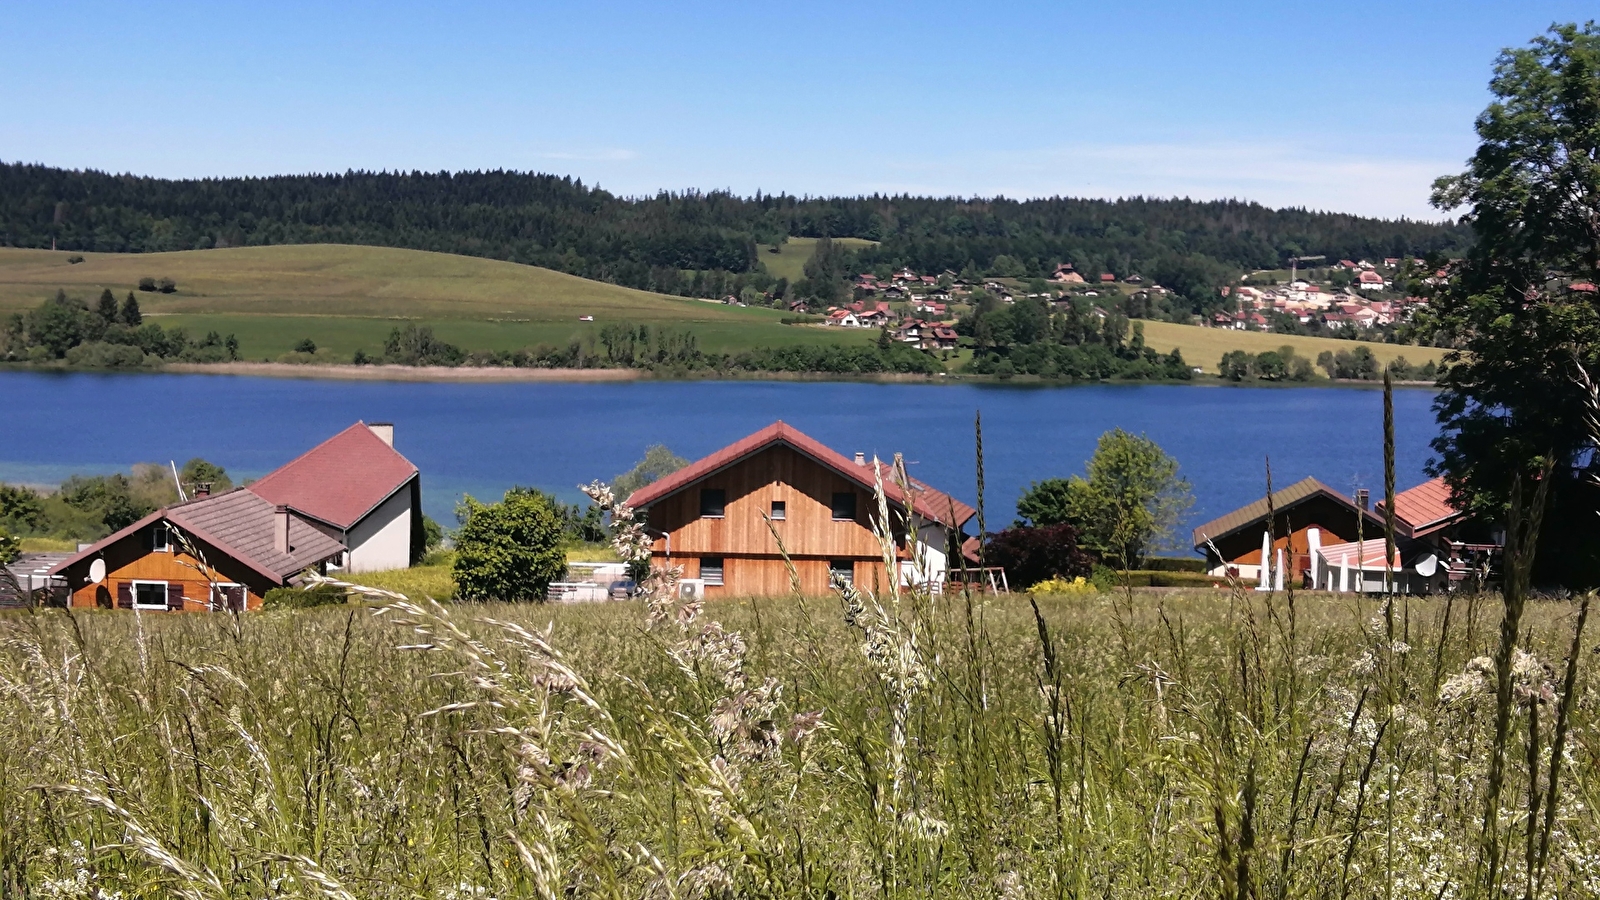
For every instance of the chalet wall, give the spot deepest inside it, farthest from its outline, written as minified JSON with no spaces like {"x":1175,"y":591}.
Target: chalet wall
{"x":777,"y":473}
{"x":131,"y":559}
{"x":768,"y":576}
{"x":1337,"y":522}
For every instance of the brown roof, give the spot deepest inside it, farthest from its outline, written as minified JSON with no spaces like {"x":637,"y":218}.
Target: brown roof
{"x":1426,"y":507}
{"x":238,"y":523}
{"x":1293,"y":495}
{"x":928,"y":503}
{"x":341,"y":479}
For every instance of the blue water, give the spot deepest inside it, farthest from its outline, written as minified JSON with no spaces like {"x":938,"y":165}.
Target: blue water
{"x":483,"y":438}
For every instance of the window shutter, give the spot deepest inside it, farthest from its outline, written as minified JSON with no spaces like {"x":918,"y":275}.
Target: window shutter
{"x":174,"y":595}
{"x":124,"y":595}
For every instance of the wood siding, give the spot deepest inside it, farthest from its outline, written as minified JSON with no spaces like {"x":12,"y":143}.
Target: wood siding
{"x":131,"y":559}
{"x":752,"y":562}
{"x":1291,"y":528}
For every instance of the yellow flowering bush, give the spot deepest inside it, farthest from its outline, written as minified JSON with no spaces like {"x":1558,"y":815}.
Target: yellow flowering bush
{"x":1059,"y":585}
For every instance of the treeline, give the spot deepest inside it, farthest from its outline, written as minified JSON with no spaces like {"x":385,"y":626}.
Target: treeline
{"x":89,"y":507}
{"x":700,"y":244}
{"x":1284,"y":364}
{"x":108,"y":335}
{"x":1074,"y":341}
{"x":667,"y":350}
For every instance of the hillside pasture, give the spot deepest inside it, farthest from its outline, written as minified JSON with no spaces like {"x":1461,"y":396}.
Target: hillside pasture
{"x":788,"y":259}
{"x":348,"y":297}
{"x":1203,"y":347}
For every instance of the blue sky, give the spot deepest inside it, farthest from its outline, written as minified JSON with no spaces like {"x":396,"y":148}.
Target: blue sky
{"x":1353,"y":106}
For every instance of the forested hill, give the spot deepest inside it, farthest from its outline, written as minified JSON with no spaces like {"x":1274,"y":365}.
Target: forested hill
{"x":657,"y":243}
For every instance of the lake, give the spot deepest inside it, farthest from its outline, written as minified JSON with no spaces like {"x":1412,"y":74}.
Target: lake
{"x":483,"y":438}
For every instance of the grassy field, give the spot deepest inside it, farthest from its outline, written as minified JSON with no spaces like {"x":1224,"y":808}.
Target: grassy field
{"x":1119,"y":746}
{"x":1204,"y":347}
{"x":790,"y":257}
{"x":347,"y":298}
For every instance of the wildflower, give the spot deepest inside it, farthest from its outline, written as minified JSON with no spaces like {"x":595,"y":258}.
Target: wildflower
{"x":1531,"y":680}
{"x":802,"y":726}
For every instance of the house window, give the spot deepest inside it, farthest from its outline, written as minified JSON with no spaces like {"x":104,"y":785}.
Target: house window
{"x":149,"y":595}
{"x":841,"y":570}
{"x":227,"y":597}
{"x":160,"y":539}
{"x":711,"y":570}
{"x":780,"y":510}
{"x":844,"y":506}
{"x":713,"y":501}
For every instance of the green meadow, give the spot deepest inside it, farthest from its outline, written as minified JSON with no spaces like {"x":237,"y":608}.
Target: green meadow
{"x":788,"y":260}
{"x":347,"y":298}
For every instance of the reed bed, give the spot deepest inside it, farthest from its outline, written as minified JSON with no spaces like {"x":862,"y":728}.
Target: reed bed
{"x":1111,"y":745}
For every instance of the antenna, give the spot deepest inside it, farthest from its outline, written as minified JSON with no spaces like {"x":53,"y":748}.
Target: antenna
{"x":176,"y":482}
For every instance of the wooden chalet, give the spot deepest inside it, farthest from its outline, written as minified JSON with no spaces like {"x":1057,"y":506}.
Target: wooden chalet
{"x":352,"y":503}
{"x":712,"y":516}
{"x":1315,"y":541}
{"x":1306,"y":515}
{"x":221,"y":552}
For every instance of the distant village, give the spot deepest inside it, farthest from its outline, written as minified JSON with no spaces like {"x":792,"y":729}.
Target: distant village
{"x":1349,"y":298}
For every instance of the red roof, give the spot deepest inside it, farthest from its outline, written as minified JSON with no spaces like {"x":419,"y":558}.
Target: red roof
{"x":1425,"y":507}
{"x":929,"y":504}
{"x":1107,"y":277}
{"x":238,"y":523}
{"x":341,"y":479}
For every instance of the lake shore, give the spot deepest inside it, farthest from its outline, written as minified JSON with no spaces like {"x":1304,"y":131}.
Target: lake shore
{"x":508,"y":374}
{"x":401,"y":373}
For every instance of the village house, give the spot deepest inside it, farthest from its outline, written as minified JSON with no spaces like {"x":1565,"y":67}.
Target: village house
{"x":843,"y":318}
{"x":1369,"y":280}
{"x":1323,"y":539}
{"x":722,"y":517}
{"x":350,"y":503}
{"x":1065,"y":275}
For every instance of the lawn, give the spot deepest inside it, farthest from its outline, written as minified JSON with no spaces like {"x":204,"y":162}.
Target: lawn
{"x":1158,"y":744}
{"x":790,"y":257}
{"x":1204,"y":347}
{"x":348,"y":298}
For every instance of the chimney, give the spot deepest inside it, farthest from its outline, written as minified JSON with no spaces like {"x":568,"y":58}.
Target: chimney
{"x":280,"y":529}
{"x":861,"y":458}
{"x":202,"y":489}
{"x":384,"y":431}
{"x":1363,"y":499}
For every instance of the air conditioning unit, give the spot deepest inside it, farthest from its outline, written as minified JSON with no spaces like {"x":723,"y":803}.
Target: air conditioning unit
{"x":692,"y":589}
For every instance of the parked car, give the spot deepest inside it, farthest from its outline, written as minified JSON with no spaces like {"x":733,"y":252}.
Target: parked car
{"x":624,"y":589}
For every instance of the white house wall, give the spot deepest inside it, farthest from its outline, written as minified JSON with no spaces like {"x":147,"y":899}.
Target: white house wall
{"x":382,"y":540}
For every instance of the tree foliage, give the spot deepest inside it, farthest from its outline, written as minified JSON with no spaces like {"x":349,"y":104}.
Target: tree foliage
{"x":1030,"y":554}
{"x":1130,"y":502}
{"x":509,"y":550}
{"x":658,"y":462}
{"x":1532,"y":197}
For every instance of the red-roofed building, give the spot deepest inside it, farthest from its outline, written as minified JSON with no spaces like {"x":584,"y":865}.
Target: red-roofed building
{"x":351,"y":502}
{"x":712,"y":518}
{"x":368,"y":494}
{"x":1107,"y":278}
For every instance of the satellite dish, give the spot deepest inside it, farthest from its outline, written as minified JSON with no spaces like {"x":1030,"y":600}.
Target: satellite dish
{"x":97,"y":571}
{"x":1427,"y":565}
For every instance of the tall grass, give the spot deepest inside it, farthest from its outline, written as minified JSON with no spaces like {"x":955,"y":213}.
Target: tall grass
{"x":883,"y":744}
